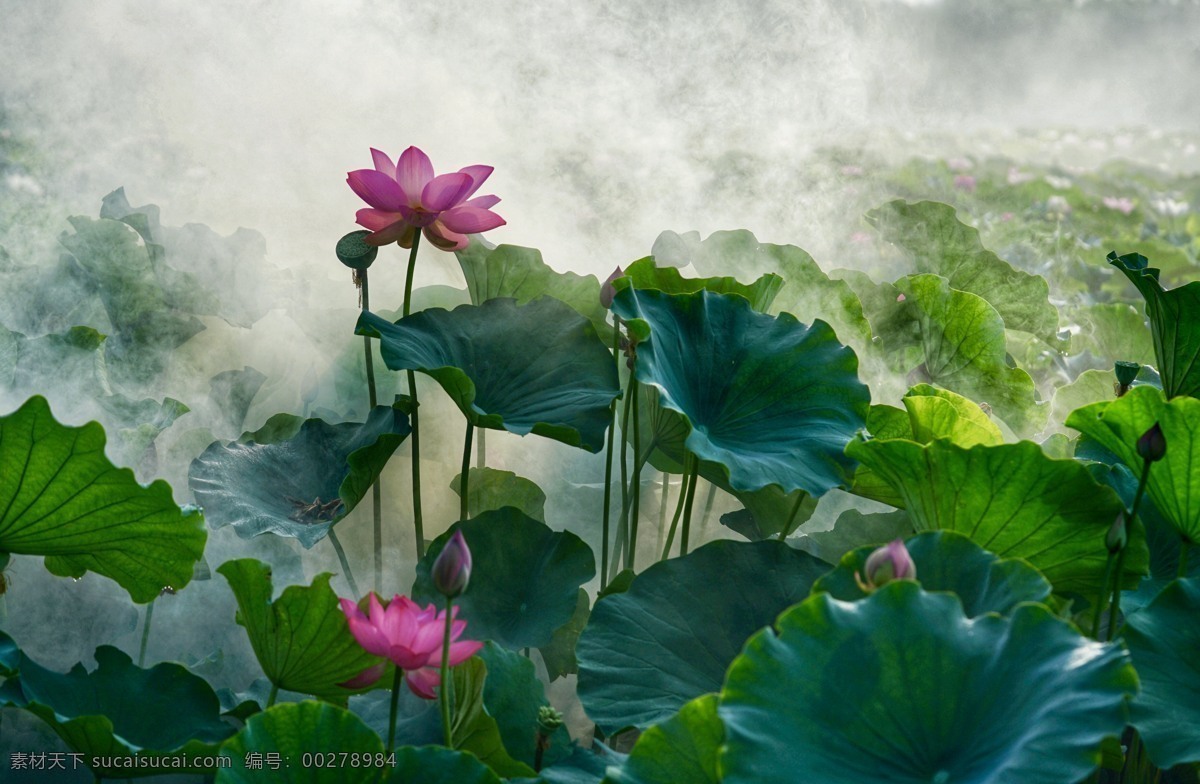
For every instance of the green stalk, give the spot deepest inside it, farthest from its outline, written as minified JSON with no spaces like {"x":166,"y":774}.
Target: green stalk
{"x":444,"y":691}
{"x":463,"y":506}
{"x":623,"y":521}
{"x":608,"y":461}
{"x":1184,"y":545}
{"x":787,"y":528}
{"x":1108,"y":570}
{"x":396,"y":683}
{"x":274,"y":694}
{"x":1115,"y":609}
{"x":481,"y":448}
{"x":683,"y":491}
{"x":376,"y":492}
{"x":418,"y":527}
{"x":687,"y":507}
{"x":664,"y":498}
{"x":636,"y":484}
{"x":146,"y":632}
{"x":341,"y":554}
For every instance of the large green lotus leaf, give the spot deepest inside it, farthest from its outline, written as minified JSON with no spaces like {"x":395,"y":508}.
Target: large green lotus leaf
{"x":1174,"y":483}
{"x":1112,"y":331}
{"x":768,"y":512}
{"x":559,"y":654}
{"x":1163,"y":639}
{"x":74,"y":358}
{"x":296,"y":481}
{"x":903,"y":687}
{"x":491,"y":488}
{"x":60,"y":497}
{"x":439,"y":765}
{"x":512,"y":695}
{"x":662,"y":433}
{"x":117,"y":710}
{"x":948,"y":561}
{"x":533,"y":368}
{"x":939,"y":413}
{"x":962,"y":347}
{"x":302,"y":640}
{"x":1091,"y":386}
{"x":883,"y":422}
{"x":233,"y":391}
{"x":645,"y":274}
{"x":854,"y":529}
{"x":520,"y":273}
{"x":475,"y":730}
{"x":285,"y":733}
{"x":750,"y":386}
{"x":1174,"y":324}
{"x":931,"y":234}
{"x":670,"y":637}
{"x":524,"y":582}
{"x":1010,"y":499}
{"x":682,"y":748}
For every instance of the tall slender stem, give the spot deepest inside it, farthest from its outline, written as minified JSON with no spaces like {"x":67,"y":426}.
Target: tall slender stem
{"x":663,"y":502}
{"x":636,"y":483}
{"x":341,"y":554}
{"x":377,"y":526}
{"x":481,"y":448}
{"x":365,"y":292}
{"x":146,"y":632}
{"x":687,"y":507}
{"x":373,"y":399}
{"x":623,"y":521}
{"x":447,"y":686}
{"x":1108,"y":570}
{"x":273,"y":695}
{"x":709,"y":499}
{"x":786,"y":531}
{"x":683,"y":491}
{"x":1115,"y":609}
{"x":418,"y":526}
{"x":1184,"y":546}
{"x":397,"y":678}
{"x":463,"y":506}
{"x":608,"y":461}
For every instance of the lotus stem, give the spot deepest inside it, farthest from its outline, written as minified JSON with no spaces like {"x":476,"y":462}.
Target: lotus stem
{"x":418,"y":526}
{"x":444,"y":691}
{"x":463,"y":507}
{"x":636,"y":483}
{"x":786,"y":531}
{"x":687,"y":507}
{"x":365,"y":293}
{"x":709,"y":499}
{"x":341,"y":554}
{"x":397,"y":678}
{"x":1108,"y":570}
{"x":377,"y":526}
{"x":623,"y":521}
{"x":1115,"y":609}
{"x":608,"y":461}
{"x":146,"y":632}
{"x":273,"y":695}
{"x":683,"y":491}
{"x":664,"y":498}
{"x":373,"y":399}
{"x":481,"y":448}
{"x":1184,"y":546}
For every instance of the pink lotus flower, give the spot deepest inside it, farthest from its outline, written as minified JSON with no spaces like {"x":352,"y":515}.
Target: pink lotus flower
{"x":411,"y":637}
{"x":406,"y":196}
{"x":965,"y":182}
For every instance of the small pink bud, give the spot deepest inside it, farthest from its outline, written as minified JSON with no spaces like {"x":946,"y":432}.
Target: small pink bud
{"x":890,"y":562}
{"x":452,"y":568}
{"x":1152,"y":445}
{"x":607,"y":292}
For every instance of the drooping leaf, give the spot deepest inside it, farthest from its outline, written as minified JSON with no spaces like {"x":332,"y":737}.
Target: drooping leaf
{"x":662,"y":433}
{"x":939,"y":413}
{"x":747,"y":384}
{"x":645,"y":274}
{"x":938,"y":243}
{"x":117,"y":710}
{"x":60,"y":497}
{"x":1010,"y":499}
{"x":301,"y":639}
{"x":903,"y":687}
{"x":299,"y":481}
{"x":491,"y":488}
{"x":1174,"y":484}
{"x":475,"y":730}
{"x":1163,"y":639}
{"x":854,"y":529}
{"x":947,"y":561}
{"x":559,"y":653}
{"x":669,"y":638}
{"x":534,"y":368}
{"x":683,"y":748}
{"x":524,"y":582}
{"x":286,"y":733}
{"x":1174,"y":324}
{"x":512,"y":695}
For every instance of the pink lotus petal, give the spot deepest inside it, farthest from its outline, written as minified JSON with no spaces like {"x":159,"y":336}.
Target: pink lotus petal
{"x":377,"y":190}
{"x":383,"y":164}
{"x":470,"y":220}
{"x":444,"y":239}
{"x":399,"y":232}
{"x":477,"y":174}
{"x":462,"y":650}
{"x":365,"y":678}
{"x":368,"y":636}
{"x":375,"y":220}
{"x":445,"y":191}
{"x":406,"y":658}
{"x":413,"y":170}
{"x":423,"y":681}
{"x":482,"y":202}
{"x":418,"y":217}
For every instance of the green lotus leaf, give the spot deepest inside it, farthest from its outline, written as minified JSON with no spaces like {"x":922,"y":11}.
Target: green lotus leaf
{"x":118,"y":710}
{"x":491,"y":488}
{"x":1163,"y":639}
{"x":439,"y":765}
{"x":475,"y":730}
{"x":559,"y":654}
{"x":233,"y":391}
{"x":280,"y":737}
{"x":962,"y":348}
{"x":512,"y":695}
{"x":1112,"y":331}
{"x":519,"y":273}
{"x":1174,"y":324}
{"x":682,"y":748}
{"x":63,"y":499}
{"x":302,"y":640}
{"x":1174,"y":484}
{"x":938,"y":243}
{"x":73,"y":358}
{"x":645,"y":274}
{"x":903,"y":687}
{"x":1011,"y":500}
{"x":662,"y":433}
{"x":534,"y":368}
{"x":948,"y":561}
{"x":939,"y":413}
{"x":768,"y":512}
{"x":299,"y":480}
{"x":525,"y":579}
{"x":747,"y":384}
{"x":853,"y":529}
{"x":883,"y":422}
{"x":670,"y":637}
{"x":1091,"y":386}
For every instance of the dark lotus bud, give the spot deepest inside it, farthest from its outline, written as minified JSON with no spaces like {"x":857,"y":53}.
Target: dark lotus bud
{"x":607,"y":292}
{"x":1117,"y":535}
{"x":452,"y":568}
{"x":1126,"y":372}
{"x":890,"y":562}
{"x":1152,"y":445}
{"x":353,"y":250}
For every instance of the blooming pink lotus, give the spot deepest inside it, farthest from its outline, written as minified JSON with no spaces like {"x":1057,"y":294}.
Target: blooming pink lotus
{"x":410,"y":636}
{"x":406,"y":196}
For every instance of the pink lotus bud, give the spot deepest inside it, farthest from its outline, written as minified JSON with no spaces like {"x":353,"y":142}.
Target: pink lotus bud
{"x":607,"y":292}
{"x":1152,"y":445}
{"x":1117,"y":535}
{"x":890,"y":562}
{"x":452,"y":568}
